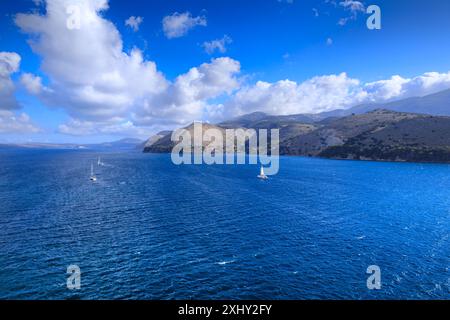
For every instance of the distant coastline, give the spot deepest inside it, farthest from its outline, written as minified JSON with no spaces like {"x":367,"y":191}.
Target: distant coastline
{"x":379,"y":135}
{"x":126,"y":144}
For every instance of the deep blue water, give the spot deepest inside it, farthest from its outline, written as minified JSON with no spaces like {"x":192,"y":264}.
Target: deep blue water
{"x":148,"y":229}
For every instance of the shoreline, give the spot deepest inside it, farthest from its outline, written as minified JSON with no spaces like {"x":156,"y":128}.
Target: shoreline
{"x":343,"y":159}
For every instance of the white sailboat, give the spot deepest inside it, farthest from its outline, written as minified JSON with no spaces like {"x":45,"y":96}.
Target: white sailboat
{"x":100,"y":163}
{"x":93,"y":177}
{"x":262,"y":174}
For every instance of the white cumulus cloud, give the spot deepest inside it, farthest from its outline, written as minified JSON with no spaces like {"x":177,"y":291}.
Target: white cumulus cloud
{"x":78,"y":127}
{"x":179,"y":24}
{"x":217,"y":45}
{"x":11,"y":120}
{"x":353,"y":6}
{"x":89,"y":73}
{"x":398,"y":87}
{"x":285,"y":97}
{"x":134,"y":22}
{"x":187,"y":97}
{"x":33,"y":84}
{"x":9,"y":64}
{"x":104,"y":89}
{"x":326,"y":93}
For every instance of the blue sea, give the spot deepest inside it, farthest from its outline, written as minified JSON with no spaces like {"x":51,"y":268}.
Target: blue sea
{"x":148,"y":229}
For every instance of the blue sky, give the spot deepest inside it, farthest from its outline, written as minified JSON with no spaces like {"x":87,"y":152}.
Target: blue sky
{"x":270,"y":41}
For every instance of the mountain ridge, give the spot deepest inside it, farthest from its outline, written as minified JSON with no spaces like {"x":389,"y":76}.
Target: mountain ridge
{"x":380,"y":134}
{"x":122,"y":144}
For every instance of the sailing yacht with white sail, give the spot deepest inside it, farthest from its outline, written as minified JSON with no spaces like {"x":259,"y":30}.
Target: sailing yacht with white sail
{"x":262,"y":174}
{"x":93,"y":177}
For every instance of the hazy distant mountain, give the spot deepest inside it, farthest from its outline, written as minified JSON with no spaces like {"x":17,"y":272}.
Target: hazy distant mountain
{"x":437,"y":104}
{"x":120,"y":145}
{"x":43,"y":145}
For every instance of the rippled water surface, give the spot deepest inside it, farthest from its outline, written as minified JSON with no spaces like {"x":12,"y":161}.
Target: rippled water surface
{"x":148,"y":229}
